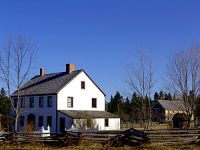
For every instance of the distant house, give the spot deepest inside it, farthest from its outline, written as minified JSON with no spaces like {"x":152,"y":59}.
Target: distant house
{"x":164,"y":110}
{"x":62,"y":100}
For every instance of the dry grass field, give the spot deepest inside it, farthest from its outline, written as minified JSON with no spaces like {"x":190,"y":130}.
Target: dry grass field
{"x":153,"y":126}
{"x":97,"y":146}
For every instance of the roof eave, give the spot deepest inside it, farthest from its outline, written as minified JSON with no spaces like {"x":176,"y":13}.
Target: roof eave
{"x":34,"y":95}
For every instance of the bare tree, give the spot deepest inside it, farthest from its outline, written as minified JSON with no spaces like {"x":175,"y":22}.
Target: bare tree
{"x":15,"y":65}
{"x":184,"y":77}
{"x":140,"y":80}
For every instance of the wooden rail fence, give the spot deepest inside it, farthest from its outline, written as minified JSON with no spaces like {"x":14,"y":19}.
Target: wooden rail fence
{"x":173,"y":136}
{"x":111,"y":138}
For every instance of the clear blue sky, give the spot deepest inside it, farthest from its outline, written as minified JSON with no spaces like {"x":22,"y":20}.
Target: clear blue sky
{"x":100,"y":36}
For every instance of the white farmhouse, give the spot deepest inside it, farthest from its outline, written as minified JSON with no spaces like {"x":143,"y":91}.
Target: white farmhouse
{"x":64,"y":100}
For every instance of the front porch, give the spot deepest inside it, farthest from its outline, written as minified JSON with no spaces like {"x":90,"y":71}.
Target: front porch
{"x":87,"y":120}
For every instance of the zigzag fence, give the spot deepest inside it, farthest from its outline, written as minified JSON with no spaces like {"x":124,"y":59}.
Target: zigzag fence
{"x":112,"y":138}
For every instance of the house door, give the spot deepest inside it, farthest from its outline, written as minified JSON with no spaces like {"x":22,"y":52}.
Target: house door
{"x":62,"y":124}
{"x":31,"y":122}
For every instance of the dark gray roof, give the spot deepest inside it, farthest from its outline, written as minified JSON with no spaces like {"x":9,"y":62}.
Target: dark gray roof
{"x":172,"y":105}
{"x":82,"y":114}
{"x":47,"y":84}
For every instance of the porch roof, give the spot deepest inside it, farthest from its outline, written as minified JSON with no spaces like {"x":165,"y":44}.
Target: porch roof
{"x":82,"y":114}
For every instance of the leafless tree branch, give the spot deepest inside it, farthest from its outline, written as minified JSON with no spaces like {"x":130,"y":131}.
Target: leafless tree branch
{"x":15,"y":65}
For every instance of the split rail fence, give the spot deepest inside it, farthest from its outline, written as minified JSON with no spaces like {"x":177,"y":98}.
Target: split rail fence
{"x":173,"y":136}
{"x":112,"y":138}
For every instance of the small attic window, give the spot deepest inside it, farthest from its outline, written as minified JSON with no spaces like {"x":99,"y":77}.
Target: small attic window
{"x":82,"y":84}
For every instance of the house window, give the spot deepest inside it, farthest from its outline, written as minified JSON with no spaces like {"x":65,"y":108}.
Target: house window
{"x":22,"y":103}
{"x":49,"y":101}
{"x":41,"y":101}
{"x":31,"y":102}
{"x":49,"y":121}
{"x":40,"y":123}
{"x":70,"y":102}
{"x":82,"y":84}
{"x":94,"y":103}
{"x":106,"y":122}
{"x":15,"y":102}
{"x":22,"y":121}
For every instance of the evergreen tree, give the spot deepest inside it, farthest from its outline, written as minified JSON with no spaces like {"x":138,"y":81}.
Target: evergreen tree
{"x":156,"y":96}
{"x":4,"y":109}
{"x":134,"y":96}
{"x":168,"y":96}
{"x":127,"y":106}
{"x":136,"y":107}
{"x":3,"y":92}
{"x":111,"y":105}
{"x":117,"y":102}
{"x":161,"y":95}
{"x":165,"y":96}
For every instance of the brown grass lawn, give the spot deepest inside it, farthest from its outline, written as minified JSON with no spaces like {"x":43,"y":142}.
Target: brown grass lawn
{"x":152,"y":127}
{"x":99,"y":147}
{"x":96,"y":146}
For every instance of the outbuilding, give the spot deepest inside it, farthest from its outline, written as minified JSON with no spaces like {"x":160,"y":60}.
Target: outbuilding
{"x":180,"y":121}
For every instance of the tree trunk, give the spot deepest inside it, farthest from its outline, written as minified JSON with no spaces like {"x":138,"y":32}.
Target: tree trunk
{"x":16,"y":122}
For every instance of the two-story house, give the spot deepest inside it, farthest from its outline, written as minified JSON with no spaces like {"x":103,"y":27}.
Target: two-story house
{"x":61,"y":99}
